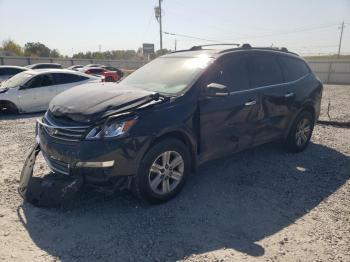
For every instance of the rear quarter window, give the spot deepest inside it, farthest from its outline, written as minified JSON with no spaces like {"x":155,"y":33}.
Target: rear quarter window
{"x":62,"y":78}
{"x":293,"y":68}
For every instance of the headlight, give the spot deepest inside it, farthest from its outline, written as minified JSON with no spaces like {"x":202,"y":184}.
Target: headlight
{"x":113,"y":128}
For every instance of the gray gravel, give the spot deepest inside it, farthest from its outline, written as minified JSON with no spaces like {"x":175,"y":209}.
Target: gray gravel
{"x":262,"y":204}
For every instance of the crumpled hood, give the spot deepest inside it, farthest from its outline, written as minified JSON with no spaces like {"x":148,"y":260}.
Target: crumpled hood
{"x":90,"y":102}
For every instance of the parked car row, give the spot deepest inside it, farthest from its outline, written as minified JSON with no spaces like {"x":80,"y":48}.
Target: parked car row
{"x":108,"y":73}
{"x":32,"y":90}
{"x":149,"y":132}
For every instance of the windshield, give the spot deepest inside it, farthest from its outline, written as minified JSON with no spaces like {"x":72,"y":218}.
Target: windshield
{"x":16,"y":80}
{"x":169,"y":75}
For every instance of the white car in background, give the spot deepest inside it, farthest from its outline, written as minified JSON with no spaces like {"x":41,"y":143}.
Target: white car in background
{"x":32,"y":90}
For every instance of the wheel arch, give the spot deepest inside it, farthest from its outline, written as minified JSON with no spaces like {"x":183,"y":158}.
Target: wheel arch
{"x":184,"y":138}
{"x":11,"y":104}
{"x":309,"y":107}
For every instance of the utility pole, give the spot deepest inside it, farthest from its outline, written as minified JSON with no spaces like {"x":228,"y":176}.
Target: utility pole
{"x":160,"y":25}
{"x":341,"y":37}
{"x":158,"y":14}
{"x":175,"y":44}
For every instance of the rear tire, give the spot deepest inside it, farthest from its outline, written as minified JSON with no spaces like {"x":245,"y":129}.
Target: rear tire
{"x":300,"y":133}
{"x":162,"y":172}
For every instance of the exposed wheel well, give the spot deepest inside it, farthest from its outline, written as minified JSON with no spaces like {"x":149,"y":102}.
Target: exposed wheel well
{"x":8,"y":106}
{"x":310,"y":109}
{"x":184,"y":139}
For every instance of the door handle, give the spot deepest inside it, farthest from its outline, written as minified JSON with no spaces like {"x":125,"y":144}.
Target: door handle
{"x":288,"y":95}
{"x":250,"y":103}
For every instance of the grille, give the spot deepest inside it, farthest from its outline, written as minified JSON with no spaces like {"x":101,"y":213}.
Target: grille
{"x":63,"y":132}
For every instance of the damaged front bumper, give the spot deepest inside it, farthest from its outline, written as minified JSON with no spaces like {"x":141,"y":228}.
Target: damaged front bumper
{"x":50,"y":190}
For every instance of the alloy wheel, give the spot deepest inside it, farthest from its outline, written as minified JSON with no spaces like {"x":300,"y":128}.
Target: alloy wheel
{"x":303,"y":132}
{"x":166,"y":172}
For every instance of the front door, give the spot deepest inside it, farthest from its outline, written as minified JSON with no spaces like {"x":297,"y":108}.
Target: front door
{"x":228,"y":123}
{"x":37,"y":93}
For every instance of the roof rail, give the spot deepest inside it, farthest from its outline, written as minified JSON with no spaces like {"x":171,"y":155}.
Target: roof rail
{"x":237,"y":47}
{"x":200,"y":47}
{"x":246,"y":46}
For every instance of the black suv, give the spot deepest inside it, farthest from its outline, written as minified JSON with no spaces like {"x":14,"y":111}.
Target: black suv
{"x":158,"y":124}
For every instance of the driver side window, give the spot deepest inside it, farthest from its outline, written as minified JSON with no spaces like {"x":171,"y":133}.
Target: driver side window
{"x":232,"y":72}
{"x":40,"y":81}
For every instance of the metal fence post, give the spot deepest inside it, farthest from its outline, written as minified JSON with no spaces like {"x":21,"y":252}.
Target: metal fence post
{"x":329,"y":72}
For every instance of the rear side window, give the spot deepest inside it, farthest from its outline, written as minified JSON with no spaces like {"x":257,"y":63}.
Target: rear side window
{"x":264,"y":70}
{"x":43,"y":66}
{"x":96,"y":71}
{"x":10,"y":71}
{"x":293,"y":68}
{"x":14,"y":71}
{"x":61,"y":79}
{"x":233,"y":73}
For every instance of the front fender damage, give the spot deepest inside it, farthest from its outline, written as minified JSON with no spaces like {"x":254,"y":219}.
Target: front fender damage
{"x":49,"y":191}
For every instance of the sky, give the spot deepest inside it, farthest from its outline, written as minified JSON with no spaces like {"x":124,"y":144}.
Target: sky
{"x":308,"y":27}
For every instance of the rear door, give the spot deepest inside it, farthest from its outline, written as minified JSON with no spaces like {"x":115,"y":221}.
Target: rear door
{"x":37,"y":93}
{"x":228,"y":123}
{"x":276,"y":94}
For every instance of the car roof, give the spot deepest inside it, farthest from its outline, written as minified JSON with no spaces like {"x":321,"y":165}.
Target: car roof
{"x":96,"y":67}
{"x":10,"y":66}
{"x":54,"y":70}
{"x":45,"y":64}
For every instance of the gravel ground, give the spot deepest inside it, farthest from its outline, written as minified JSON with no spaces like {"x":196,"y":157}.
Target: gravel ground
{"x":339,"y":108}
{"x":262,"y":204}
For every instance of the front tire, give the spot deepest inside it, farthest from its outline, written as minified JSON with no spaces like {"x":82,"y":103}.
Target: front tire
{"x":162,"y":172}
{"x":8,"y":108}
{"x":300,"y":133}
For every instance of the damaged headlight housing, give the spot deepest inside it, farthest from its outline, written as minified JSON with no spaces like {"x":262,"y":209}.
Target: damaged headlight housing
{"x":113,"y":128}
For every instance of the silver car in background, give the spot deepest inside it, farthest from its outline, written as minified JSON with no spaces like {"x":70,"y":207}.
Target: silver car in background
{"x":32,"y":90}
{"x":8,"y":71}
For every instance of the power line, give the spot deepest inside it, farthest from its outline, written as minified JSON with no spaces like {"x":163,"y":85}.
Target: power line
{"x":300,"y":30}
{"x":194,"y":37}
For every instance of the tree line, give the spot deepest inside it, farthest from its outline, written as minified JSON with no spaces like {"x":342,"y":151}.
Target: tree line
{"x":33,"y":49}
{"x":37,"y":49}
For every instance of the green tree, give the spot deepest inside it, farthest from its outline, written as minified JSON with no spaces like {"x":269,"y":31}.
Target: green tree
{"x":12,"y":46}
{"x":36,"y":49}
{"x":54,"y":53}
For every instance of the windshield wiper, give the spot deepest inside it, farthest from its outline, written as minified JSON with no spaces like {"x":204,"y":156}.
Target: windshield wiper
{"x":157,"y":96}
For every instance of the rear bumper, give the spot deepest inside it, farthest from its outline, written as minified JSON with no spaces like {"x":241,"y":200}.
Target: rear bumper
{"x":98,"y":161}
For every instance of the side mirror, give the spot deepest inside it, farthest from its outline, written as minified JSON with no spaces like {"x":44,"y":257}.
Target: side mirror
{"x":215,"y":89}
